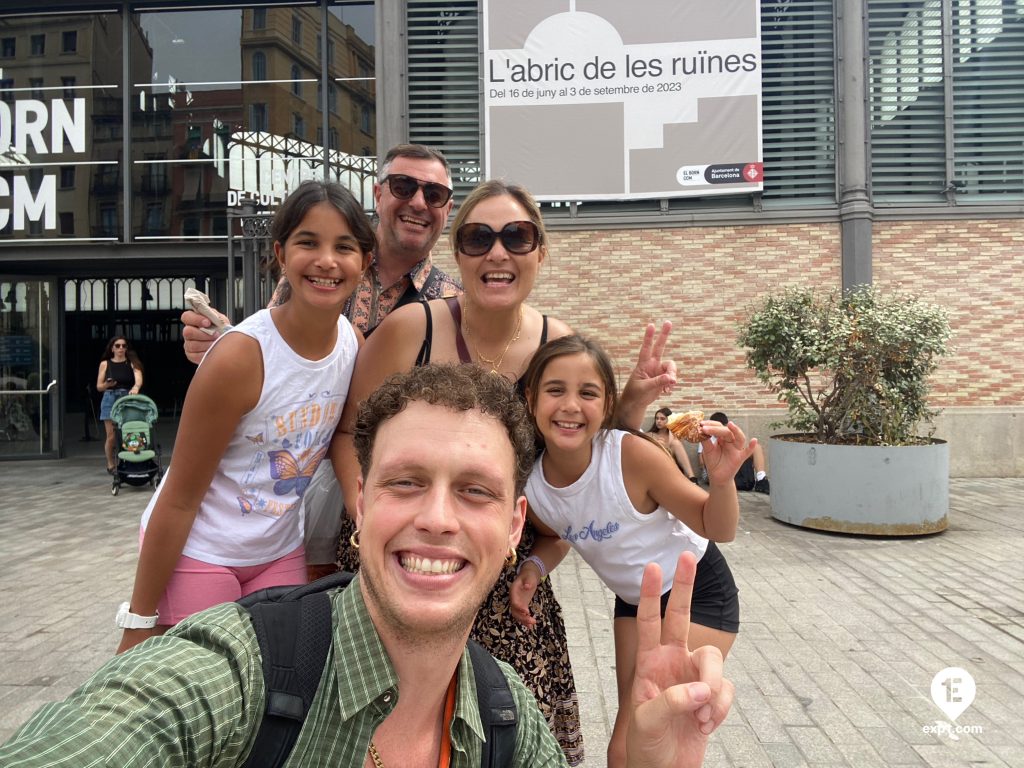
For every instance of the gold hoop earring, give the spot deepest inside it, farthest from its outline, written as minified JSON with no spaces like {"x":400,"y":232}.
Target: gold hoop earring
{"x":511,"y":558}
{"x":354,"y":539}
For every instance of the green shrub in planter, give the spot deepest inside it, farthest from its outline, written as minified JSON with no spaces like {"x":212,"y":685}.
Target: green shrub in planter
{"x":852,"y":367}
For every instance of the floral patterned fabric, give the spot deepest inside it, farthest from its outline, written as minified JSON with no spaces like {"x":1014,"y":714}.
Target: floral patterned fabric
{"x":371,"y":302}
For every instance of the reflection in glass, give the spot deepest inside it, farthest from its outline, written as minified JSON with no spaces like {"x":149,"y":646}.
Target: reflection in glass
{"x":224,"y":108}
{"x":240,"y":139}
{"x":25,"y":411}
{"x":63,"y":99}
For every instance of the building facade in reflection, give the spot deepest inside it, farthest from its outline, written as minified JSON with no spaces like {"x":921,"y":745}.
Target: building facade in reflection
{"x":133,"y":145}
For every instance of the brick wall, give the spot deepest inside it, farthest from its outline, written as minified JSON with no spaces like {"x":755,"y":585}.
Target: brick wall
{"x":975,"y":269}
{"x":608,"y":283}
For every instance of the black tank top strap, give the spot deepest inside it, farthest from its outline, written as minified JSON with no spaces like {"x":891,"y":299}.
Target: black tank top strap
{"x":460,"y":342}
{"x":521,"y":381}
{"x":423,"y":358}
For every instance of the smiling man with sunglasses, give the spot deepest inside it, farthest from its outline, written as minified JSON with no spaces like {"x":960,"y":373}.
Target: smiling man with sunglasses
{"x":413,"y":198}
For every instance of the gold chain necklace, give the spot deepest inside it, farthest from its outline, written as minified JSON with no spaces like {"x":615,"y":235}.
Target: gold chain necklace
{"x":375,"y":756}
{"x":494,"y":363}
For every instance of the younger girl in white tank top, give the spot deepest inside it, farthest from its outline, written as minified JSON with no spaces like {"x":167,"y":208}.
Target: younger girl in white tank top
{"x":618,"y":499}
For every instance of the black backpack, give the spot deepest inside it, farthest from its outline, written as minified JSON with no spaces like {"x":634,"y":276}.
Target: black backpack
{"x":293,"y":628}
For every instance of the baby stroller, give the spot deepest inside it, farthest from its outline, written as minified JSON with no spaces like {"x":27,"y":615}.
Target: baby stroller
{"x":138,"y":460}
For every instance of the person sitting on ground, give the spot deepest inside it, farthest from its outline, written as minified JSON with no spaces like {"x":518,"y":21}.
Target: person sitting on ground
{"x":752,"y":475}
{"x":436,"y":518}
{"x":672,"y":444}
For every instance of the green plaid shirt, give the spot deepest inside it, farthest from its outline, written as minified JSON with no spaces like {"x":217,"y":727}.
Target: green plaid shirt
{"x":195,"y":697}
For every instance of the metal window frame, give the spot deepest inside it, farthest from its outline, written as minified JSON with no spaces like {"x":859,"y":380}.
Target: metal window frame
{"x":934,"y":116}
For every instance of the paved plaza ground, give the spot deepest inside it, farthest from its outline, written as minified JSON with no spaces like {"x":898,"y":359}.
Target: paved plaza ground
{"x":841,"y":636}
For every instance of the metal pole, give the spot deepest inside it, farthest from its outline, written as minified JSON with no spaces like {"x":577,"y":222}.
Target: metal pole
{"x":250,"y":275}
{"x":46,"y":391}
{"x":230,"y":291}
{"x":855,"y":210}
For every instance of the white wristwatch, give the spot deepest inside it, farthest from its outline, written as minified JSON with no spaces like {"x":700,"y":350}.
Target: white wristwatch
{"x":127,"y":620}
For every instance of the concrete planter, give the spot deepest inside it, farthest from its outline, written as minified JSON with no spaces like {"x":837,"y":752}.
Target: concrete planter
{"x":872,"y":490}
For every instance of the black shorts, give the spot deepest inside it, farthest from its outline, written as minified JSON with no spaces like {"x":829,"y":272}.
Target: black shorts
{"x":715,"y":603}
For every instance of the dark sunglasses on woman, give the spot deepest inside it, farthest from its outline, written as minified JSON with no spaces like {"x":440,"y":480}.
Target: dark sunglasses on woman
{"x":519,"y":237}
{"x":404,"y":188}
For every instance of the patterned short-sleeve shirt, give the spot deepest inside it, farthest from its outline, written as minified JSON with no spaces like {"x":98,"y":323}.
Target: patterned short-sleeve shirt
{"x":372,"y":302}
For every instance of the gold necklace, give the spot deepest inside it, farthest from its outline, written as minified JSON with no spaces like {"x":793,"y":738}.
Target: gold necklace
{"x":494,"y":363}
{"x":375,"y":756}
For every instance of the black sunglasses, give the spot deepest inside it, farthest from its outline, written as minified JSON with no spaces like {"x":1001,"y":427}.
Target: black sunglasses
{"x":404,"y":188}
{"x":518,"y":237}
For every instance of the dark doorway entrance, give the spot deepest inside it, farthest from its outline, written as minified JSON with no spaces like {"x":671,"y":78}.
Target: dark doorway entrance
{"x":144,"y":310}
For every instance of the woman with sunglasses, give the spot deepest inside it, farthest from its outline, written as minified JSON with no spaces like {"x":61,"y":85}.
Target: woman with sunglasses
{"x":499,"y":242}
{"x":120,"y":374}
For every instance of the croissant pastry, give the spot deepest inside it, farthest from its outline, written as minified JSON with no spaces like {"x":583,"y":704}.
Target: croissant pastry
{"x":686,"y":426}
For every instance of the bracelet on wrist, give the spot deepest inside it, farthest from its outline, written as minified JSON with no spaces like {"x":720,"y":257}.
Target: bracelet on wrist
{"x":537,"y":562}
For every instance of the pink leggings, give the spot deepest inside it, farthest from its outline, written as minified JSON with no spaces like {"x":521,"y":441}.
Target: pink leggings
{"x":195,"y":585}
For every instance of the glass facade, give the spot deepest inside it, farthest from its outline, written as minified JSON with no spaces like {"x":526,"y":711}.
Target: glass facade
{"x":60,"y":126}
{"x":27,"y":425}
{"x":225,"y":109}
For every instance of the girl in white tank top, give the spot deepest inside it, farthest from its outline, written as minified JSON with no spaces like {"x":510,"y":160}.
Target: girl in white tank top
{"x":258,"y":418}
{"x":616,"y":497}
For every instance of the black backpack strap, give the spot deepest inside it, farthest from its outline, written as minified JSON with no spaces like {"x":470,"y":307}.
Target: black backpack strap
{"x":293,"y":628}
{"x":497,"y":709}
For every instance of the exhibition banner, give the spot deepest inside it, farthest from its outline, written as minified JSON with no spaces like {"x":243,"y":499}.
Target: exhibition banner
{"x":606,"y":100}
